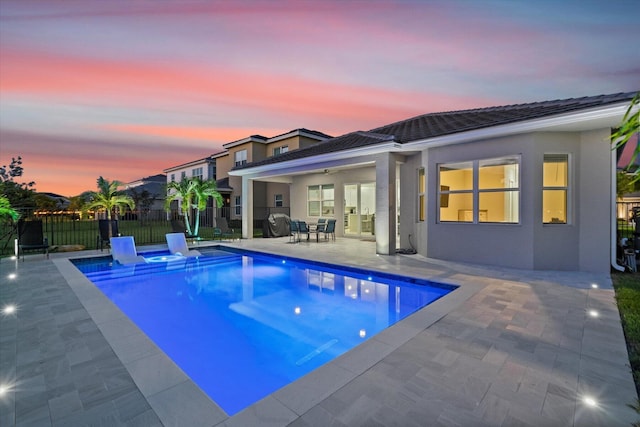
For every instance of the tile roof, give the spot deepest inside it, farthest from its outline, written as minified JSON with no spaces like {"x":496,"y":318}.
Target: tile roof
{"x":438,"y":124}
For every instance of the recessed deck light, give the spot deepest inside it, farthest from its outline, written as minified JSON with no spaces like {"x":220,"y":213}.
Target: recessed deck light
{"x":594,"y":313}
{"x":590,"y":401}
{"x":12,"y":276}
{"x":9,"y":309}
{"x":594,"y":286}
{"x":4,"y":389}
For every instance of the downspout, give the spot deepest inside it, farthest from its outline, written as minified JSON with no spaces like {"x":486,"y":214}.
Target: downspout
{"x":614,"y":214}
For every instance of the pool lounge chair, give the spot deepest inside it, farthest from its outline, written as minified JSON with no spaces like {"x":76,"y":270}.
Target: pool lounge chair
{"x":177,"y":243}
{"x":31,"y":237}
{"x":123,"y":251}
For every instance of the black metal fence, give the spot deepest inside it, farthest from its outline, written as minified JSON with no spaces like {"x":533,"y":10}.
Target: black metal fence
{"x":68,"y":228}
{"x":628,"y":215}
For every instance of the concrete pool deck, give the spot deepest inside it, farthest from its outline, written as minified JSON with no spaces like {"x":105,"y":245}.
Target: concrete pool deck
{"x":508,"y":348}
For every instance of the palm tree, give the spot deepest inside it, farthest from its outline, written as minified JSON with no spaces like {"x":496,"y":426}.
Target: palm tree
{"x":629,"y":127}
{"x":183,"y":192}
{"x":202,"y":190}
{"x":108,"y":197}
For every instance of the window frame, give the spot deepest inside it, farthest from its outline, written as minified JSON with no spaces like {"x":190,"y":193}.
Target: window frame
{"x":240,"y":158}
{"x":278,"y":198}
{"x":566,"y":189}
{"x":280,"y":150}
{"x":444,"y":192}
{"x":237,"y":205}
{"x":197,"y":173}
{"x":321,"y":201}
{"x":422,"y":194}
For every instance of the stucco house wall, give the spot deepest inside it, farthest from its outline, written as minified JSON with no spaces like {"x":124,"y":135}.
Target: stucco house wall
{"x":581,"y":244}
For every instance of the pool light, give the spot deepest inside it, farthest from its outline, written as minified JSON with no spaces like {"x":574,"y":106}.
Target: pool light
{"x":590,"y":401}
{"x":9,"y":309}
{"x":296,"y":310}
{"x":4,"y":389}
{"x":284,"y":261}
{"x":363,"y":333}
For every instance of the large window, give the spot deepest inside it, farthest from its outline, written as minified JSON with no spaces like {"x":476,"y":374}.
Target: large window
{"x":555,"y":188}
{"x":240,"y":157}
{"x":480,"y":191}
{"x":422,"y":185}
{"x":320,"y":200}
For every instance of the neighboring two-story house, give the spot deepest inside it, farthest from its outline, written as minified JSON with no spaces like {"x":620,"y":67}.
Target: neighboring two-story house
{"x":269,"y":196}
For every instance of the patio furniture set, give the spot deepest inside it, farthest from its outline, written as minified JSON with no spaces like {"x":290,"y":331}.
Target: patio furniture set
{"x":323,"y":226}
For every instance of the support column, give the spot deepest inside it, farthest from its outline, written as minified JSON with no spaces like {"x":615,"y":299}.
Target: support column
{"x":247,"y":208}
{"x":386,"y":204}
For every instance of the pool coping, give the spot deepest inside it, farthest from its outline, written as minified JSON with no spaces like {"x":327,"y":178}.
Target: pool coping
{"x":177,"y":399}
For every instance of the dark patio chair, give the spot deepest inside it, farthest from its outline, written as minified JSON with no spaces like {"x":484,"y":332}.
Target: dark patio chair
{"x":178,"y":226}
{"x":330,"y":229}
{"x":104,"y":235}
{"x":222,"y":229}
{"x":303,"y":228}
{"x":31,"y":237}
{"x":293,"y":233}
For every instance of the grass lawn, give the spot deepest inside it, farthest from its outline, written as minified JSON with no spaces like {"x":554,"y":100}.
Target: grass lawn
{"x":627,"y":287}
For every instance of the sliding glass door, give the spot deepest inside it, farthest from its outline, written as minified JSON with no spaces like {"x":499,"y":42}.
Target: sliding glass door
{"x":360,"y":209}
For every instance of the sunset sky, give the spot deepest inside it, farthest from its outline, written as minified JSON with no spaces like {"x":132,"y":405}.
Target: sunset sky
{"x":125,"y":89}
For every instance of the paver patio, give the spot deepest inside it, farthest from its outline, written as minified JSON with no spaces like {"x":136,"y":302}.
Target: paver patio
{"x":508,"y":348}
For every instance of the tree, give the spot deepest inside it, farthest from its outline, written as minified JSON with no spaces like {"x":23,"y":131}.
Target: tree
{"x":109,"y":198}
{"x":202,"y":190}
{"x":143,"y":200}
{"x":183,"y":192}
{"x":19,"y":194}
{"x":629,"y":127}
{"x":6,"y":211}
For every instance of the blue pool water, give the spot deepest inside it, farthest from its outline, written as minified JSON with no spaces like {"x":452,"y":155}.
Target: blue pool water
{"x":243,"y":324}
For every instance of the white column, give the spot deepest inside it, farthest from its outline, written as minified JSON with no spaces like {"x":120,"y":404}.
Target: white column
{"x":386,"y":204}
{"x":247,"y":208}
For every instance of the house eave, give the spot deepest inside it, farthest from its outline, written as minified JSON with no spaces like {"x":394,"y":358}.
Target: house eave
{"x":597,"y":118}
{"x":312,"y":161}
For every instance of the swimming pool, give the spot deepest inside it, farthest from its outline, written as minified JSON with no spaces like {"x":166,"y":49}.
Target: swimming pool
{"x":243,"y":324}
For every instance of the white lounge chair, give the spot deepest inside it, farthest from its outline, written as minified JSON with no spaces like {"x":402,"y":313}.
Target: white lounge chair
{"x":177,"y":243}
{"x":123,"y":250}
